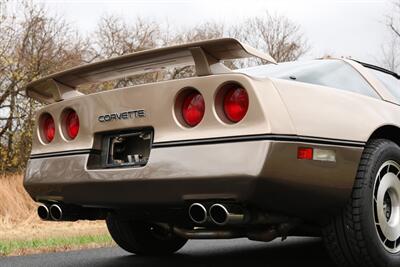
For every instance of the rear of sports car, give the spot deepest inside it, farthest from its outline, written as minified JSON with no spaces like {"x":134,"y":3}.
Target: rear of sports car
{"x":213,"y":156}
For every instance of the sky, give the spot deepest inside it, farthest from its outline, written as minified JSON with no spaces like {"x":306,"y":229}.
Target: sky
{"x":340,"y":28}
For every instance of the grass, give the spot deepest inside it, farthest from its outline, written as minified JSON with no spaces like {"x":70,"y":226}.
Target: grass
{"x":22,"y":232}
{"x":20,"y":247}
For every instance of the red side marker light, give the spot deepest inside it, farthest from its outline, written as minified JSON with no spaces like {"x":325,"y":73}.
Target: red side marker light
{"x":305,"y":153}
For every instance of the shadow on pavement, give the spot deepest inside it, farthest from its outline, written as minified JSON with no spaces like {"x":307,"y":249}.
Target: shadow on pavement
{"x":305,"y":253}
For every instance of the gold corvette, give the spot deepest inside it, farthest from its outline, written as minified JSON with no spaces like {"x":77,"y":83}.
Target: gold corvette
{"x":299,"y":148}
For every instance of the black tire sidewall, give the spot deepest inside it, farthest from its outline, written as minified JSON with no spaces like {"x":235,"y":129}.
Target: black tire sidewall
{"x":149,"y":242}
{"x":136,"y":237}
{"x":384,"y":151}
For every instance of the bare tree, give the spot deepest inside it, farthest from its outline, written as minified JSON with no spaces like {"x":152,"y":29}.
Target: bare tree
{"x":32,"y":45}
{"x":391,"y":54}
{"x":275,"y":34}
{"x":391,"y":50}
{"x":393,"y":20}
{"x":115,"y":37}
{"x":202,"y":31}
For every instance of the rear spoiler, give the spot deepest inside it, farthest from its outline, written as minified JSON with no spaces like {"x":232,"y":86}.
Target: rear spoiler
{"x":205,"y":55}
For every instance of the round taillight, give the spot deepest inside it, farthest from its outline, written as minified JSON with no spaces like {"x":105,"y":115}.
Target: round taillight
{"x":236,"y":102}
{"x":193,"y":108}
{"x":49,"y":128}
{"x":72,"y":124}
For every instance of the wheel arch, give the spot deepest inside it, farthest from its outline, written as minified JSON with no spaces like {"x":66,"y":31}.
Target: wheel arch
{"x":389,"y":132}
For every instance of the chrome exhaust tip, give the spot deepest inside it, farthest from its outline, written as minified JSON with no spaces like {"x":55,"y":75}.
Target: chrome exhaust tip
{"x":56,"y":212}
{"x":219,"y":214}
{"x":43,"y":212}
{"x":225,"y":214}
{"x":198,"y":213}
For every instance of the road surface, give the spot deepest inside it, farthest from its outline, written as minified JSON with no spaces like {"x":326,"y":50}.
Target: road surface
{"x":239,"y":252}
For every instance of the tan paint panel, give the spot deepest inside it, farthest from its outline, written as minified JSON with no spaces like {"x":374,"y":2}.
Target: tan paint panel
{"x":332,"y":113}
{"x":266,"y":114}
{"x":253,"y":172}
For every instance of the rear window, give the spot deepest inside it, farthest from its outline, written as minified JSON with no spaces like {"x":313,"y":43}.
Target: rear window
{"x":332,"y":73}
{"x":389,"y":81}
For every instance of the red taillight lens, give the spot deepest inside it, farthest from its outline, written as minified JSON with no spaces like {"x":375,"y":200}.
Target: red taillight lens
{"x":72,"y":124}
{"x":49,"y":128}
{"x":193,"y":108}
{"x":236,"y":103}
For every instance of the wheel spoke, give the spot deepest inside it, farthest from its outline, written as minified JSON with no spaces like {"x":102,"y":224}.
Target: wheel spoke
{"x":397,"y":186}
{"x":385,"y":204}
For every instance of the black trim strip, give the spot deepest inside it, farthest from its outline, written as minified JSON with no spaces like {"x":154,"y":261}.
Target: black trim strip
{"x":261,"y":137}
{"x":367,"y":65}
{"x":218,"y":140}
{"x":64,"y":153}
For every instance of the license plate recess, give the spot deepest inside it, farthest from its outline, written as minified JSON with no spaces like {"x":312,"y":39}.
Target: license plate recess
{"x":128,"y":149}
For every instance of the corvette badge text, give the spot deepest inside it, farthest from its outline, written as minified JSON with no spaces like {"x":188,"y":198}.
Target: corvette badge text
{"x":126,"y":115}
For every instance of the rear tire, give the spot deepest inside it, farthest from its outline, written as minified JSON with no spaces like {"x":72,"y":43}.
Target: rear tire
{"x":367,"y":232}
{"x":143,"y":238}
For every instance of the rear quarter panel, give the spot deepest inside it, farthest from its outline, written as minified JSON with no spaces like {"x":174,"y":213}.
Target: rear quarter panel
{"x":325,"y":112}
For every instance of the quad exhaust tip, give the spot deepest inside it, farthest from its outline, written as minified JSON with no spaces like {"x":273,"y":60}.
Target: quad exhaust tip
{"x":43,"y":212}
{"x":56,"y":212}
{"x":226,"y":214}
{"x":219,"y":214}
{"x":198,"y":213}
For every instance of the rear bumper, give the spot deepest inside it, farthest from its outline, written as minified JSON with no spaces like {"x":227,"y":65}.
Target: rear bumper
{"x":262,"y":173}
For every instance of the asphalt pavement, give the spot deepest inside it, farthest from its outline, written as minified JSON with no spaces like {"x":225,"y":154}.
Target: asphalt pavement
{"x":295,"y":251}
